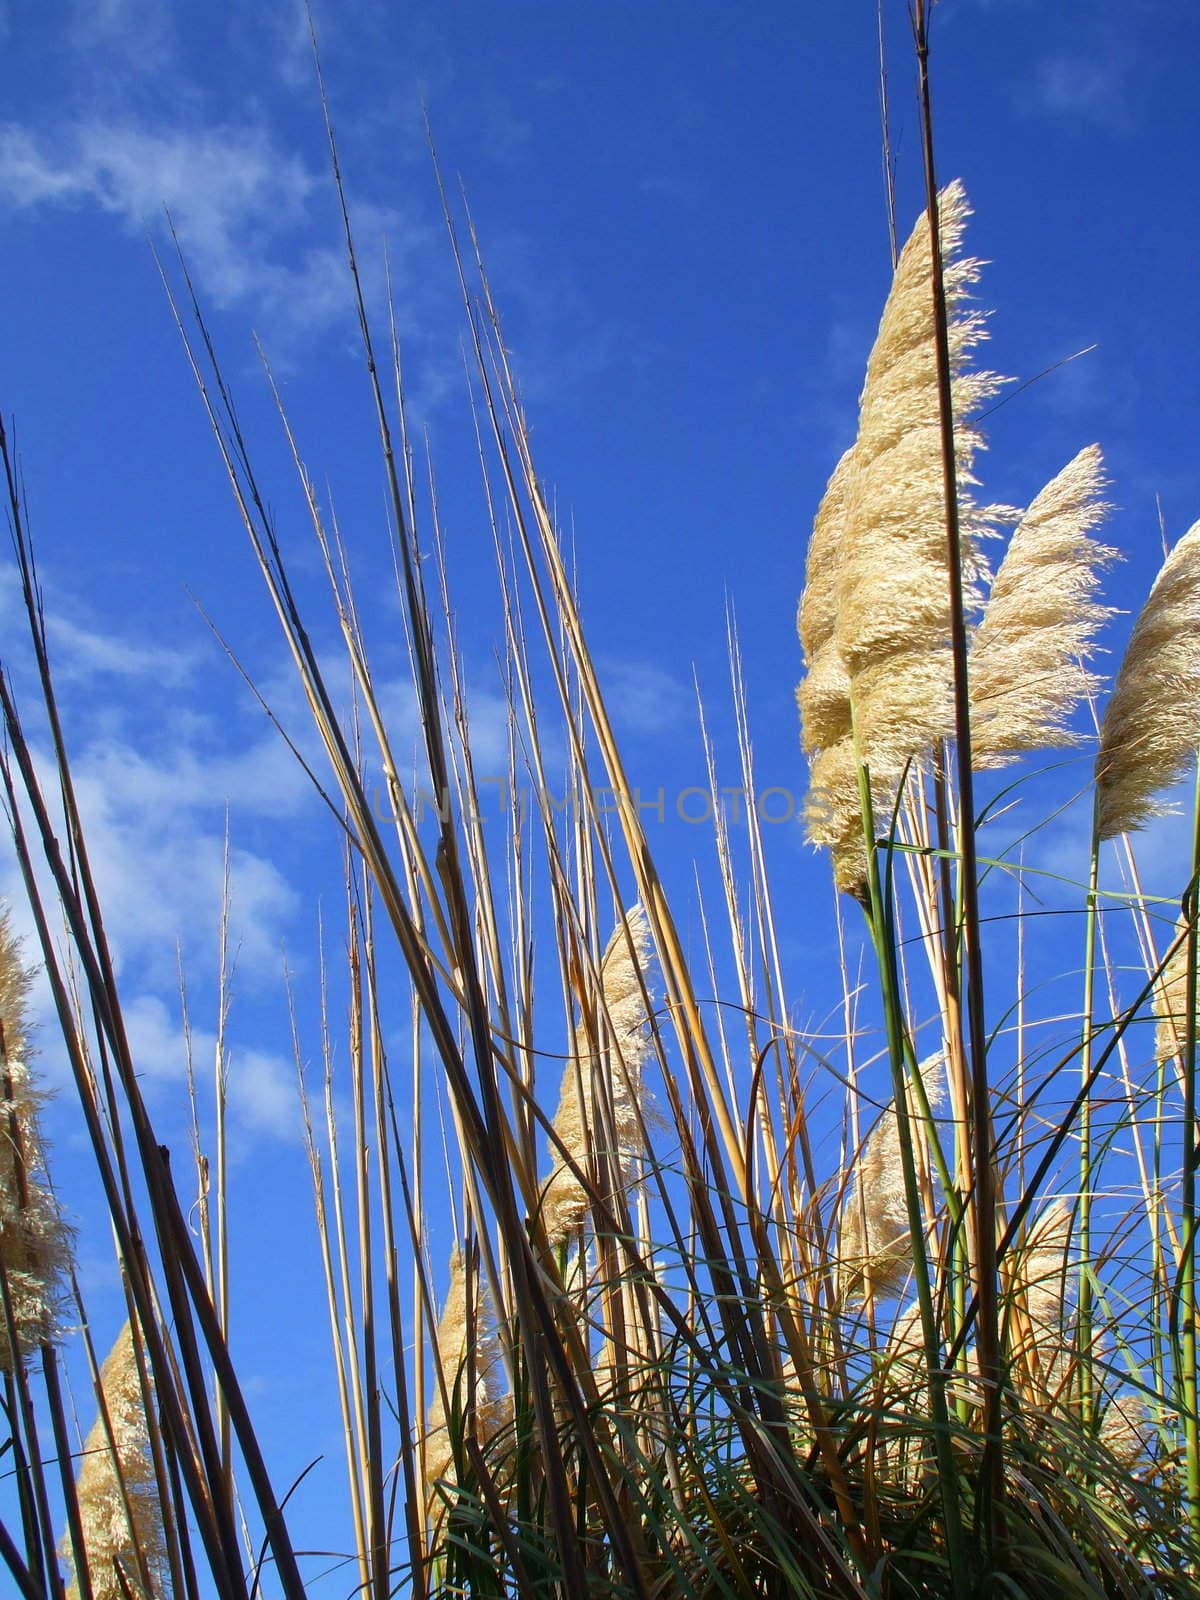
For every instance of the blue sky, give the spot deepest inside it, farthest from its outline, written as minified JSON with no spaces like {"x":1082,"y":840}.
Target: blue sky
{"x":682,"y":212}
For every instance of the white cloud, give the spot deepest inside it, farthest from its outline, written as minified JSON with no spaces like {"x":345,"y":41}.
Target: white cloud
{"x":140,"y":32}
{"x":253,"y":218}
{"x":292,"y":53}
{"x":155,"y":787}
{"x":156,"y":1039}
{"x":220,"y":185}
{"x":84,"y":653}
{"x":1082,"y":87}
{"x":263,"y":1092}
{"x":155,"y":832}
{"x":261,"y":1085}
{"x":644,"y":698}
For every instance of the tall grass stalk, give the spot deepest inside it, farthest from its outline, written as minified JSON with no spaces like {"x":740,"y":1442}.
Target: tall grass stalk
{"x":1087,"y":1154}
{"x":880,"y":917}
{"x":1190,"y":1397}
{"x":983,"y":1170}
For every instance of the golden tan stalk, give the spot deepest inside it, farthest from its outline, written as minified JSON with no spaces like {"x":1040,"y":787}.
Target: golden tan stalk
{"x":118,"y":1499}
{"x":35,"y":1243}
{"x":1151,"y":727}
{"x":1029,"y":655}
{"x":621,"y":1021}
{"x":875,"y":1244}
{"x":893,"y":604}
{"x":466,"y":1331}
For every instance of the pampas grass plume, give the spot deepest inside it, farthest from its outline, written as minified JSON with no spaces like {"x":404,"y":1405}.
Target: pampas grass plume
{"x":875,"y":1243}
{"x":824,"y":693}
{"x":460,"y":1337}
{"x":1170,"y":1000}
{"x":1151,"y":727}
{"x":119,"y":1507}
{"x":623,"y":970}
{"x":874,"y":617}
{"x":833,"y":815}
{"x":35,"y":1243}
{"x":1043,"y":1274}
{"x":1028,"y":669}
{"x":893,"y":604}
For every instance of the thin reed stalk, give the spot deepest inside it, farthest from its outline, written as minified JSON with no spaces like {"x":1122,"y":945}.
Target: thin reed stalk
{"x":984,"y":1172}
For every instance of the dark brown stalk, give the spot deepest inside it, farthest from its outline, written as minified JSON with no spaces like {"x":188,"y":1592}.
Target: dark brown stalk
{"x":988,"y":1328}
{"x":382,"y":1103}
{"x":30,"y":1588}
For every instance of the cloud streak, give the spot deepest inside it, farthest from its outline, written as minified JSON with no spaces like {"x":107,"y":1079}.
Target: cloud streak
{"x":1086,"y":88}
{"x":245,"y":209}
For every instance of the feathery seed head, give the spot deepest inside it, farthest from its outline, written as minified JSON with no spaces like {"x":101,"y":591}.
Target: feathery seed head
{"x":893,"y":618}
{"x":875,"y":1241}
{"x":119,"y":1508}
{"x":817,"y":615}
{"x":1170,"y":1000}
{"x":466,"y":1331}
{"x":833,"y":816}
{"x":823,"y":697}
{"x":607,"y":1060}
{"x":1028,"y":669}
{"x":1151,"y":728}
{"x":1044,"y":1270}
{"x":35,"y":1242}
{"x":1126,"y":1430}
{"x":875,"y":615}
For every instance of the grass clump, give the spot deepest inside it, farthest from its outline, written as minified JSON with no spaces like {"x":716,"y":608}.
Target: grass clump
{"x":686,"y":1347}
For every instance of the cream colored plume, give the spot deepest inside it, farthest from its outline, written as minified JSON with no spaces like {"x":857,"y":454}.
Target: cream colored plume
{"x":1151,"y":727}
{"x":35,"y":1243}
{"x":833,"y":814}
{"x":119,"y":1508}
{"x":1028,"y":663}
{"x":607,"y":1060}
{"x":1043,"y":1272}
{"x":1170,"y":1000}
{"x":1126,"y":1430}
{"x":893,"y":624}
{"x":824,"y":692}
{"x":462,"y":1336}
{"x":875,"y":1242}
{"x":874,"y":618}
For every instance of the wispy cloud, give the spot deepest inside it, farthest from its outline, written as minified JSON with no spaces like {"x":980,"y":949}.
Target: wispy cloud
{"x":157,"y":848}
{"x":86,"y":654}
{"x":80,"y":652}
{"x":261,"y":1085}
{"x":1085,"y":87}
{"x":245,"y":209}
{"x":140,"y":32}
{"x":155,"y":831}
{"x":645,"y":698}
